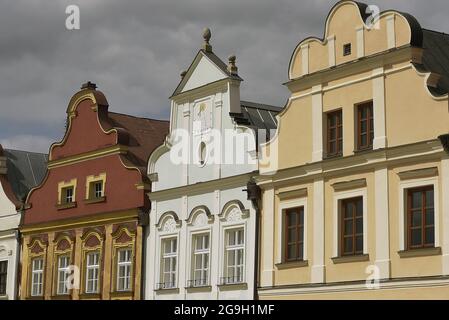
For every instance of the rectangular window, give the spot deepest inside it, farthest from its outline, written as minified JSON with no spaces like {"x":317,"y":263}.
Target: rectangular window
{"x":420,"y":218}
{"x":365,"y":126}
{"x":67,"y":195}
{"x":37,"y":275}
{"x":351,"y":226}
{"x":169,"y":263}
{"x":3,"y":277}
{"x":347,"y":48}
{"x":124,"y":265}
{"x":294,"y":234}
{"x":92,"y":272}
{"x":334,"y":133}
{"x":63,"y":273}
{"x":234,"y":256}
{"x":96,"y":190}
{"x":200,"y":261}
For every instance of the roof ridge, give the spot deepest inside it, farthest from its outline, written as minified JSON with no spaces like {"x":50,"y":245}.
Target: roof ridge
{"x":435,"y":31}
{"x":259,"y":105}
{"x":137,"y":117}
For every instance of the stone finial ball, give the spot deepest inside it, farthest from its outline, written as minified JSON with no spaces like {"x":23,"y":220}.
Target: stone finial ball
{"x":207,"y":34}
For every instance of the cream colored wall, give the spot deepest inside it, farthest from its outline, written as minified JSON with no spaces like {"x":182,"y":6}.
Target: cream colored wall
{"x":418,"y":266}
{"x":295,"y":145}
{"x":412,"y":114}
{"x":410,"y":293}
{"x":342,"y":24}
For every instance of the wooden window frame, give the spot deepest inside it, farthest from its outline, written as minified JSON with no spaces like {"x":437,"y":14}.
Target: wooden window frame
{"x":299,"y":242}
{"x":424,"y":226}
{"x":354,"y":234}
{"x":369,"y":125}
{"x":338,"y":136}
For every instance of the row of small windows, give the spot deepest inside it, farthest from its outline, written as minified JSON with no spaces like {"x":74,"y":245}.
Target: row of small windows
{"x":234,"y":260}
{"x":420,"y":225}
{"x":96,"y":192}
{"x":364,"y":130}
{"x":92,"y":273}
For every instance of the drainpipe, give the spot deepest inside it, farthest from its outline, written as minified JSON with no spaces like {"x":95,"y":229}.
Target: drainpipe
{"x":254,"y":194}
{"x":144,"y":219}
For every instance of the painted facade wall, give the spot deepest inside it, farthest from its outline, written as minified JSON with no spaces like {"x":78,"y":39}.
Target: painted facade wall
{"x":191,"y":199}
{"x":406,"y":154}
{"x":96,"y":226}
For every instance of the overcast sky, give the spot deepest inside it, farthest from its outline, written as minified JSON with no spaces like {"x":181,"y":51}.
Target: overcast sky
{"x":135,"y":50}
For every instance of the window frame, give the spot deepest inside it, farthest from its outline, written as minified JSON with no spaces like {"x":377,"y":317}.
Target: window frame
{"x":405,"y":184}
{"x":346,"y":52}
{"x":354,"y":235}
{"x":65,"y":195}
{"x":128,"y":266}
{"x":422,"y":190}
{"x":338,"y":135}
{"x":59,"y":270}
{"x":41,"y":278}
{"x":173,"y":274}
{"x":5,"y":276}
{"x":89,"y":267}
{"x":297,"y":227}
{"x":203,"y":281}
{"x":338,"y":197}
{"x":369,"y":125}
{"x":234,"y":248}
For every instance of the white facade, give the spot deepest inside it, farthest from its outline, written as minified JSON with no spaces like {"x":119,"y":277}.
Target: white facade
{"x":201,"y":240}
{"x":9,"y":244}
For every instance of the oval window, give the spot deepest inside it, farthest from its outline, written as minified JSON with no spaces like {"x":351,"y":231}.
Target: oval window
{"x":202,"y":153}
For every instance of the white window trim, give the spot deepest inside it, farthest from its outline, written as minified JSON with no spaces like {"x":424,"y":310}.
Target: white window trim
{"x":416,"y":183}
{"x":161,"y":254}
{"x":338,"y":197}
{"x":284,"y":205}
{"x":225,"y":228}
{"x":33,"y":272}
{"x":66,"y":271}
{"x":126,"y":264}
{"x":191,"y":263}
{"x":91,"y":267}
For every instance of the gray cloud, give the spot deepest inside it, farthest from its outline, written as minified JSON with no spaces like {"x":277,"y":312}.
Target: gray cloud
{"x":134,"y":50}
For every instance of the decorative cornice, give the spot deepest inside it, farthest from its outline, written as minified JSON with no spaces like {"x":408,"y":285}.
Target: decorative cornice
{"x":353,"y":184}
{"x":420,"y":173}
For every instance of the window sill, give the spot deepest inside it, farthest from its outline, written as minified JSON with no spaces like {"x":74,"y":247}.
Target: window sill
{"x":167,"y":291}
{"x":35,"y":298}
{"x":199,"y":289}
{"x":122,"y":294}
{"x":364,"y":150}
{"x":332,"y":156}
{"x":411,"y":253}
{"x":349,"y":259}
{"x":90,"y":296}
{"x":233,"y":286}
{"x":66,"y":206}
{"x":4,"y":297}
{"x":292,"y":264}
{"x":95,"y":200}
{"x":61,"y":297}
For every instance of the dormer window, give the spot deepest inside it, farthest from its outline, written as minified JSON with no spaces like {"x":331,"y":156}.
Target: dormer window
{"x":347,"y":48}
{"x":67,"y":194}
{"x":95,"y":188}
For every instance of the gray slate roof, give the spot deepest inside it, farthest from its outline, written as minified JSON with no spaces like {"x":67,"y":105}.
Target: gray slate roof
{"x":26,"y":170}
{"x":436,"y":58}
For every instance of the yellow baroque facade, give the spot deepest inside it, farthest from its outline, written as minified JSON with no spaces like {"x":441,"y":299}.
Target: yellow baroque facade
{"x":355,"y":184}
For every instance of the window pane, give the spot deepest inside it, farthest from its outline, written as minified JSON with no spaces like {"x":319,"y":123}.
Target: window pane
{"x":291,"y":251}
{"x":291,"y":235}
{"x":359,"y":226}
{"x":429,"y":217}
{"x":348,"y":245}
{"x":416,"y":218}
{"x":349,"y":210}
{"x":291,"y":219}
{"x":359,"y":208}
{"x":429,"y":198}
{"x":416,"y":237}
{"x":363,"y":126}
{"x":348,"y":227}
{"x":359,"y":244}
{"x":430,"y":236}
{"x":416,"y":200}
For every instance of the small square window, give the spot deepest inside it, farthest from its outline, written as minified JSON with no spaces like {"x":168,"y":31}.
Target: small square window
{"x":347,"y":49}
{"x":67,"y":195}
{"x":98,"y":189}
